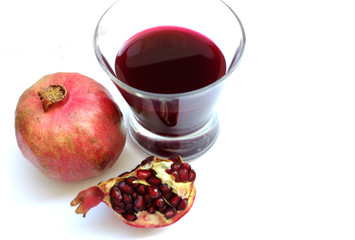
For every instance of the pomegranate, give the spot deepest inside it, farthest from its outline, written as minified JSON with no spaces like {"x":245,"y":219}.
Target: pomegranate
{"x":157,"y":193}
{"x":69,"y":127}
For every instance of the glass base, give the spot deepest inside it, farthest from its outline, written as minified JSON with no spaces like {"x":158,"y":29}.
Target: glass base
{"x":187,"y":146}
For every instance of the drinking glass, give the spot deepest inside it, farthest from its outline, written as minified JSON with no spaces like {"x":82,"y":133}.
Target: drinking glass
{"x":168,"y":125}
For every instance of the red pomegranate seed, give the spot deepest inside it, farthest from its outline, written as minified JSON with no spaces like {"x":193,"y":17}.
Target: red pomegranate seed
{"x":176,"y":176}
{"x":192,"y":175}
{"x":175,"y":160}
{"x":129,"y":216}
{"x":159,"y":202}
{"x":151,"y":209}
{"x":185,"y":166}
{"x":116,"y":193}
{"x":154,"y":181}
{"x":117,"y":204}
{"x":119,"y":210}
{"x":147,"y":160}
{"x":169,"y":213}
{"x":125,"y":188}
{"x":143,"y":174}
{"x":164,"y":188}
{"x":168,"y":195}
{"x":182,"y":205}
{"x":174,"y":201}
{"x":163,"y":208}
{"x":141,"y":189}
{"x":154,"y":192}
{"x":127,"y":198}
{"x":139,"y":203}
{"x":147,"y":198}
{"x":130,"y":181}
{"x":175,"y":167}
{"x":129,"y":207}
{"x":134,"y":195}
{"x":183,"y":175}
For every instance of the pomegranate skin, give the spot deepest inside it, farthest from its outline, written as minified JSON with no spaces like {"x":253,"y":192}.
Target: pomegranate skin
{"x":76,"y":138}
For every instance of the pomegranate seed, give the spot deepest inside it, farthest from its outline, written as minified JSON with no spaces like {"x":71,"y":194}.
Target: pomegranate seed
{"x":143,"y":174}
{"x":118,"y":205}
{"x":139,"y":203}
{"x":175,"y":167}
{"x":154,"y":181}
{"x":184,"y":175}
{"x":176,"y":176}
{"x":174,"y":201}
{"x":192,"y":175}
{"x":164,"y":188}
{"x":127,"y":198}
{"x":185,"y":166}
{"x":147,"y":160}
{"x":168,"y":195}
{"x":151,"y":209}
{"x":163,"y":208}
{"x":125,"y":188}
{"x":116,"y":193}
{"x":140,"y":189}
{"x":130,"y":181}
{"x":129,"y":207}
{"x":154,"y":192}
{"x":159,"y":202}
{"x":175,"y":160}
{"x":169,"y":213}
{"x":115,"y":202}
{"x":147,"y":198}
{"x":119,"y":210}
{"x":129,"y":216}
{"x":182,"y":205}
{"x":134,"y":195}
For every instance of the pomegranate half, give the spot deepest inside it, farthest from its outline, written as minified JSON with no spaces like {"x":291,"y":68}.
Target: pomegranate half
{"x":157,"y":193}
{"x":69,"y":127}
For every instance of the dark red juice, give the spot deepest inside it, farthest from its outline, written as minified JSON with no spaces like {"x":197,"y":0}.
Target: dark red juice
{"x":168,"y":60}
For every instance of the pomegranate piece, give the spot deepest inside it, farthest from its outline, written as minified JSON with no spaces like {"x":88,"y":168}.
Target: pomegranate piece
{"x":149,"y":196}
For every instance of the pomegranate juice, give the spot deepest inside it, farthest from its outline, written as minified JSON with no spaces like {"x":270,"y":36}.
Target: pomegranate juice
{"x":167,"y":61}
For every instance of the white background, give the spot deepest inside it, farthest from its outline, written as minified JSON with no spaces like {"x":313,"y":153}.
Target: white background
{"x":283,"y":166}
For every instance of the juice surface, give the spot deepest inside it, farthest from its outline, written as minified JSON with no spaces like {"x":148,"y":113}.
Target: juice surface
{"x":169,"y":60}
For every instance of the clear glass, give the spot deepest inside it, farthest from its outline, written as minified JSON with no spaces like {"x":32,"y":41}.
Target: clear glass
{"x":168,"y":125}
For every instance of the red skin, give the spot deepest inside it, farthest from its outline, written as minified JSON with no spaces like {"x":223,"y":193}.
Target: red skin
{"x":76,"y":138}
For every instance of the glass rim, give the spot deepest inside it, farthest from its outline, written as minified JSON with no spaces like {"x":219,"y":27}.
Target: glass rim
{"x":235,"y":62}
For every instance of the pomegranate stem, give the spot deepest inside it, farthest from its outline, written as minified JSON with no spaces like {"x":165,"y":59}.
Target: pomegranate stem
{"x":52,"y":94}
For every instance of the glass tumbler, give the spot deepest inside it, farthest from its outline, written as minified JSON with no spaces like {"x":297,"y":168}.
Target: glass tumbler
{"x":168,"y":125}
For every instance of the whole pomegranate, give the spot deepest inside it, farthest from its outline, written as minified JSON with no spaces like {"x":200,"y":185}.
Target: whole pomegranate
{"x":69,"y":127}
{"x":157,"y":193}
